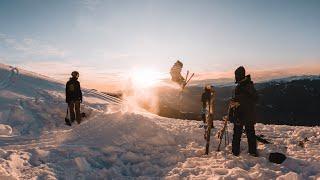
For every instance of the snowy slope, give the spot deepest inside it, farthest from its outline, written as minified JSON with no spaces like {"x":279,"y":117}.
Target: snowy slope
{"x":121,"y":142}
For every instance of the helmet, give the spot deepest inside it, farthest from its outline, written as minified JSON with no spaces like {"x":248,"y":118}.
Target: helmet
{"x":75,"y":74}
{"x":239,"y":73}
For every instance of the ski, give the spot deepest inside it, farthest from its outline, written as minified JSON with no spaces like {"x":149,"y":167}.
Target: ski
{"x":187,"y":74}
{"x":231,"y":116}
{"x":188,"y":80}
{"x":208,"y":134}
{"x":223,"y":133}
{"x":209,"y":121}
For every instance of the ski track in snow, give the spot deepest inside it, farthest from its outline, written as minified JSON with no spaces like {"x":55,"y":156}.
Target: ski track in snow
{"x":114,"y":142}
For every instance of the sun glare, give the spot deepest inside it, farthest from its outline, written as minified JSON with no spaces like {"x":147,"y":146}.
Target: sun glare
{"x":142,"y":78}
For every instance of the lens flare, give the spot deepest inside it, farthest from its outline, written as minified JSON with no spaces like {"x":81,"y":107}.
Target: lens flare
{"x":141,"y":90}
{"x":145,"y":78}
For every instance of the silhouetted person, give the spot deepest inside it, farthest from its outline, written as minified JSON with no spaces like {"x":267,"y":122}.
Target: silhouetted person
{"x":245,"y":96}
{"x":175,"y":73}
{"x":74,"y":97}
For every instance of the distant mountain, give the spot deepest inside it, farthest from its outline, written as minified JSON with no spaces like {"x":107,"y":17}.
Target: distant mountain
{"x":292,"y":101}
{"x":297,"y":100}
{"x":292,"y":78}
{"x":215,"y":82}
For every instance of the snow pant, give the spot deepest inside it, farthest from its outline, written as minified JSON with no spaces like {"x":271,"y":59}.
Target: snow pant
{"x":251,"y":135}
{"x":74,"y":108}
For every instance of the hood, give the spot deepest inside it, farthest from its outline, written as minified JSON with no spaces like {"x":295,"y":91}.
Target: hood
{"x":246,"y":79}
{"x":73,"y":79}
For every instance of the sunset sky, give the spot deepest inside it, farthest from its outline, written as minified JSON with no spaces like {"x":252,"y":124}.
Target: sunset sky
{"x":106,"y":39}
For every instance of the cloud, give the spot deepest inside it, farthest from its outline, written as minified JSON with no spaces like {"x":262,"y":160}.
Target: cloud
{"x":29,"y":46}
{"x":91,"y":4}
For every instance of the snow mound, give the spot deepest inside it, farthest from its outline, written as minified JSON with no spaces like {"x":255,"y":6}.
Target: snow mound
{"x":33,"y":104}
{"x":5,"y":130}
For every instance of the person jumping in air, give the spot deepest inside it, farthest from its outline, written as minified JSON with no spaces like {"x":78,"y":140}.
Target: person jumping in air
{"x":176,"y":74}
{"x":245,"y":97}
{"x":74,"y":97}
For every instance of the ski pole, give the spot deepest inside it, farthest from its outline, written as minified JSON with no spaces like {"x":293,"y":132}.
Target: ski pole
{"x":187,"y":75}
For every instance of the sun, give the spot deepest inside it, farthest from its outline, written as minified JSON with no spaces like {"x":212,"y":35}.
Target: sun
{"x":145,"y":77}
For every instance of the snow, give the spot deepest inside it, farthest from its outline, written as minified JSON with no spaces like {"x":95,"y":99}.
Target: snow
{"x":5,"y":130}
{"x":118,"y":141}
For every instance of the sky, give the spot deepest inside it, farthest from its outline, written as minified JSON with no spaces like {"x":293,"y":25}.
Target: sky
{"x":106,"y":39}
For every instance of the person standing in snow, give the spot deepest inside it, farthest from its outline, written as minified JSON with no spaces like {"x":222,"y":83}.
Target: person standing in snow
{"x":245,"y":96}
{"x":74,"y":97}
{"x":175,"y":73}
{"x":207,"y":98}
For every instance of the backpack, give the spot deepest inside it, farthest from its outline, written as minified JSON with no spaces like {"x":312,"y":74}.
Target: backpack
{"x":71,"y":87}
{"x":277,"y":157}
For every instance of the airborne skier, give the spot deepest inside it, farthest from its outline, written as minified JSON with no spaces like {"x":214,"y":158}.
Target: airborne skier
{"x":74,"y":97}
{"x":175,"y":73}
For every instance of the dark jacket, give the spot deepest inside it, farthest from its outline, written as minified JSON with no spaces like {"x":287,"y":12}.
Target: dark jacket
{"x":247,"y":96}
{"x":73,"y":90}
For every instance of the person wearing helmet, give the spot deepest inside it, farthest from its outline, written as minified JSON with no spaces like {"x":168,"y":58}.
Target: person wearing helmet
{"x":74,"y":97}
{"x":207,"y":98}
{"x":175,"y":73}
{"x":245,"y":96}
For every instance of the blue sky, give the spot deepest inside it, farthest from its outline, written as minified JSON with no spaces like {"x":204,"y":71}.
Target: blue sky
{"x":114,"y":36}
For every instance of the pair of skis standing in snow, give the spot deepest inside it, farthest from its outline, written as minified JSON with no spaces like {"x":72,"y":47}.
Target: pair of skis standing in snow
{"x":207,"y":115}
{"x":207,"y":112}
{"x":241,"y":110}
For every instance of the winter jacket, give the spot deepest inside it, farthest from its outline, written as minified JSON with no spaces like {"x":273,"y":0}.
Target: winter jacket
{"x":73,"y":91}
{"x":175,"y":73}
{"x":247,"y":96}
